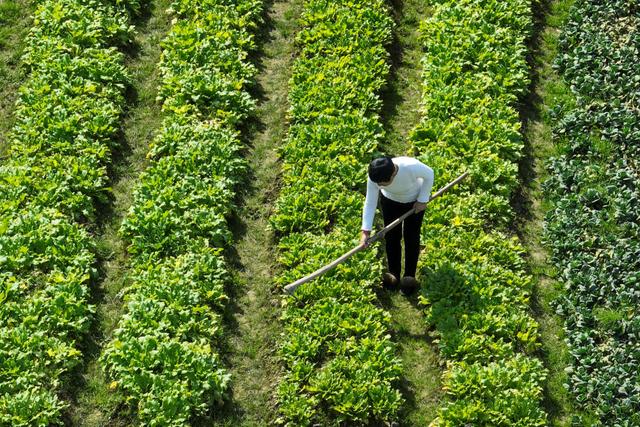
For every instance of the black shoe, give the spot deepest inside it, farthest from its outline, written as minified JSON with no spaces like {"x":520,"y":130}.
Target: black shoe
{"x":390,"y":282}
{"x":409,"y":285}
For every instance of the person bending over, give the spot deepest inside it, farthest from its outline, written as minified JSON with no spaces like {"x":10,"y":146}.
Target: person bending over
{"x":401,"y":184}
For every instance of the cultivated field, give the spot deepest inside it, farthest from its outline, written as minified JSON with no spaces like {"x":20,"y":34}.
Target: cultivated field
{"x":168,"y":166}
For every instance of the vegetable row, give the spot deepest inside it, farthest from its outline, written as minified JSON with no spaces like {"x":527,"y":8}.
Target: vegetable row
{"x":340,"y":365}
{"x":54,"y":176}
{"x":593,"y":227}
{"x":164,"y":355}
{"x":475,"y":289}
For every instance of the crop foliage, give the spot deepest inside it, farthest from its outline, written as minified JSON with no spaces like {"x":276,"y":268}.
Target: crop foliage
{"x":475,"y":289}
{"x":164,"y":355}
{"x":340,"y":365}
{"x":593,"y":227}
{"x":55,"y":174}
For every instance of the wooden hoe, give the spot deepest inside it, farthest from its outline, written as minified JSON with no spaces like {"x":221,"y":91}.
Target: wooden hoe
{"x":290,"y":288}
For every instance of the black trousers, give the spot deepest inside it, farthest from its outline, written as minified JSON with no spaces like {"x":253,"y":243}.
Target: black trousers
{"x":409,"y":229}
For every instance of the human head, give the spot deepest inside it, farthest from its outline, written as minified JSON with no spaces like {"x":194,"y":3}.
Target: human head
{"x":381,"y":169}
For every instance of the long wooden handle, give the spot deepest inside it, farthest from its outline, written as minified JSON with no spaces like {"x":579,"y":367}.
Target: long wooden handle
{"x":290,"y":288}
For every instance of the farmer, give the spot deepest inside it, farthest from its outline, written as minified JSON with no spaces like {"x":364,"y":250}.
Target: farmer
{"x":405,"y":183}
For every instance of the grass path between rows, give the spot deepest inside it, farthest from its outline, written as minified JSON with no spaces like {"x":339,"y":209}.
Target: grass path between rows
{"x":547,"y":91}
{"x":401,"y":114}
{"x":401,"y":108}
{"x":15,"y":21}
{"x":94,"y":404}
{"x":253,"y":325}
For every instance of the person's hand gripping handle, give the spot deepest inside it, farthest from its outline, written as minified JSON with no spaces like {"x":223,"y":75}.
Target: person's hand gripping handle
{"x":364,"y":238}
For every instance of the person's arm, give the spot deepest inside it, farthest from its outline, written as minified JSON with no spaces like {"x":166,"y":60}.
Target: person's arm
{"x":426,"y":173}
{"x":369,"y":209}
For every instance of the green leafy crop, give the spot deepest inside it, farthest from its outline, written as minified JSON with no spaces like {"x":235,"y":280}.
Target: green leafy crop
{"x":66,"y":120}
{"x":341,"y":367}
{"x":593,"y":227}
{"x":164,"y":356}
{"x":475,"y":290}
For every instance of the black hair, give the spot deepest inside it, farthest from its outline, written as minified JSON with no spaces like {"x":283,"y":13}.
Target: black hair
{"x":381,"y":169}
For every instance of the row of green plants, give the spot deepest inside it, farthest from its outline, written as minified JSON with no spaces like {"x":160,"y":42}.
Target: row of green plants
{"x":593,"y":226}
{"x":340,"y":365}
{"x":165,"y":353}
{"x":475,"y":288}
{"x":53,"y":177}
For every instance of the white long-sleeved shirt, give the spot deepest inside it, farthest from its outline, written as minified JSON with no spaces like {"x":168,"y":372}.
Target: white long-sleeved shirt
{"x":413,"y":182}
